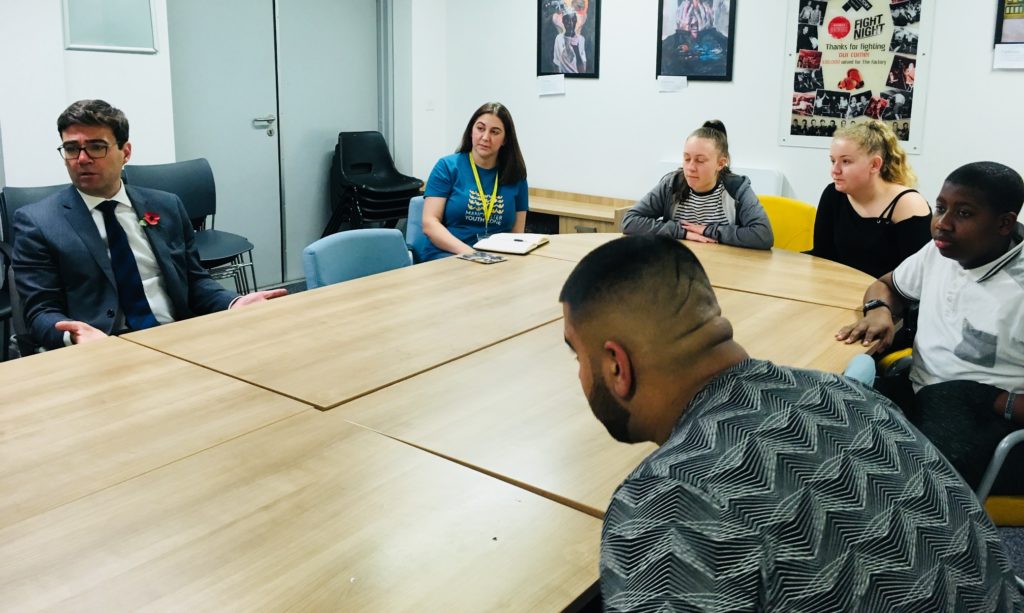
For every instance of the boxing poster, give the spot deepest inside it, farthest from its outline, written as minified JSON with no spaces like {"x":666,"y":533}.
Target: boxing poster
{"x":854,"y":60}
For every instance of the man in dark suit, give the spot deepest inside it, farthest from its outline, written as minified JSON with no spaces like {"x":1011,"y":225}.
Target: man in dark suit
{"x":101,"y":257}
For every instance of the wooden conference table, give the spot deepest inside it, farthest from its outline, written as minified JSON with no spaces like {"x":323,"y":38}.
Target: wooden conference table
{"x":186,"y":466}
{"x":779,"y":273}
{"x":331,"y":345}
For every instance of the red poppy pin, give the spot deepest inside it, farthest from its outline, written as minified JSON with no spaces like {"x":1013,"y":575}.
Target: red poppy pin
{"x":149,"y":219}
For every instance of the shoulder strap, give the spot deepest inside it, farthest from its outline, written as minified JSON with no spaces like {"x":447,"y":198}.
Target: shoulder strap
{"x":889,"y":210}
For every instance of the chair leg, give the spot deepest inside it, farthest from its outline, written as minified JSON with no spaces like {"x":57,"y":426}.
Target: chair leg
{"x":7,"y":340}
{"x":237,"y":275}
{"x":252,"y":269}
{"x":333,"y":225}
{"x":1009,"y":441}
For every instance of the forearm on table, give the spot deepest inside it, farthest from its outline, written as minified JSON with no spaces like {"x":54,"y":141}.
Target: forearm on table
{"x":1015,"y":414}
{"x":883,"y":290}
{"x":442,"y":238}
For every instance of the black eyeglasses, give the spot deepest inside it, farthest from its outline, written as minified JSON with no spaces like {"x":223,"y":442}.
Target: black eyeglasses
{"x":93,"y":149}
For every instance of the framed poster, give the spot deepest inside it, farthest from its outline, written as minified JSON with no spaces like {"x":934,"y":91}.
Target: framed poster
{"x":695,"y":39}
{"x":1010,"y":22}
{"x":854,"y":60}
{"x":568,"y":37}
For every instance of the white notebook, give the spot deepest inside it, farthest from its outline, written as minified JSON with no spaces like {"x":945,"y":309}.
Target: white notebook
{"x":507,"y":242}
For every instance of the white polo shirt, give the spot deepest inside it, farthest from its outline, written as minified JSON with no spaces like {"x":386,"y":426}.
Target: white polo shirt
{"x":971,"y":321}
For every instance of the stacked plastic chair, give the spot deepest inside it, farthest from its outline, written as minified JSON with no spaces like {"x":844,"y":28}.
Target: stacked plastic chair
{"x":365,"y":185}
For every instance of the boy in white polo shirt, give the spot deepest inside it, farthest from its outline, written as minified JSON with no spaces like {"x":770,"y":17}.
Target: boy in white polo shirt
{"x":968,"y":364}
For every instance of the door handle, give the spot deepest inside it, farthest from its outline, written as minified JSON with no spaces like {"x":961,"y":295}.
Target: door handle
{"x":264,"y":122}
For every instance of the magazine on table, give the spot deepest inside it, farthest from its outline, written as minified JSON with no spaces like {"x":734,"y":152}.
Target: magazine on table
{"x":482,"y":258}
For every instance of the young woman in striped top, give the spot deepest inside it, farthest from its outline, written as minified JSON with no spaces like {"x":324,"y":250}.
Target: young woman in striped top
{"x":703,"y":201}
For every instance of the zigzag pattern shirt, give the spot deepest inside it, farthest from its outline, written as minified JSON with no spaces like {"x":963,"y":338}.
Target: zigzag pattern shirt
{"x":796,"y":490}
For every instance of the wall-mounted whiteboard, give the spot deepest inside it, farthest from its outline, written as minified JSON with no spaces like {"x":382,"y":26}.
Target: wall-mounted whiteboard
{"x":123,"y":26}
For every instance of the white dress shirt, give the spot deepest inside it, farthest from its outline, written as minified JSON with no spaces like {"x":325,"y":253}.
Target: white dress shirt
{"x":149,"y":270}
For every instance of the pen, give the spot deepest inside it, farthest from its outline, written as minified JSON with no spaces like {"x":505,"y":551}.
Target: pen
{"x":518,"y":240}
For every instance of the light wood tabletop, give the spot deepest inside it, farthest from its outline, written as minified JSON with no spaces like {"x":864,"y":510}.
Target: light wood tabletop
{"x":776,"y":272}
{"x":311,"y":513}
{"x":516,"y":410}
{"x":335,"y":343}
{"x":80,"y":419}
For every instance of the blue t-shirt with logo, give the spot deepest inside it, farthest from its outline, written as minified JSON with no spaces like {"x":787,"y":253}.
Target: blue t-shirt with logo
{"x":452,"y":178}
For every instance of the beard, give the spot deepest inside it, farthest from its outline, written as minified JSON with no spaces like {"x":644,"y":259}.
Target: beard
{"x":609,"y":412}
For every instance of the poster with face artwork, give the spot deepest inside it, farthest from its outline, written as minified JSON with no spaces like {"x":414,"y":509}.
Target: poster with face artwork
{"x":695,"y":39}
{"x":567,"y":37}
{"x":852,"y":61}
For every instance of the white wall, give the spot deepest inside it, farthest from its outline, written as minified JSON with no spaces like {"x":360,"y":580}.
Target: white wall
{"x":427,"y":50}
{"x":609,"y":136}
{"x":41,"y":79}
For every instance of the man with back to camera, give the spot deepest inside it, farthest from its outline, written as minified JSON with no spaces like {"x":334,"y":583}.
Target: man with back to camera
{"x":966,"y":386}
{"x":101,"y":257}
{"x":774,"y":488}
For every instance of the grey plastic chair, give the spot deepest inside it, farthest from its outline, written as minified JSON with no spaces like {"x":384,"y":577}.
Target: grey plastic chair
{"x":1009,"y":441}
{"x":223,"y":254}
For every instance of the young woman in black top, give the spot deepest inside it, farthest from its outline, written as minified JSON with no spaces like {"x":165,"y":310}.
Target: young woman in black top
{"x":870,"y":218}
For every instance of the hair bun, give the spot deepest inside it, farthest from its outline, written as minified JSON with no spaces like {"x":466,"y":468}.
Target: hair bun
{"x":715,"y":124}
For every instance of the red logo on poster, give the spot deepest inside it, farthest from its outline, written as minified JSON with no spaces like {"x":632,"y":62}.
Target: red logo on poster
{"x":839,"y":27}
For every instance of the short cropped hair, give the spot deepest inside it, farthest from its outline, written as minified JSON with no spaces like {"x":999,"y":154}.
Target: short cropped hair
{"x":95,"y":113}
{"x":635,"y":268}
{"x":1001,"y":185}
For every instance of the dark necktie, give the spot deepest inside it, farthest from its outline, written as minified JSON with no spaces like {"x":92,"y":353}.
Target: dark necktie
{"x":130,"y":294}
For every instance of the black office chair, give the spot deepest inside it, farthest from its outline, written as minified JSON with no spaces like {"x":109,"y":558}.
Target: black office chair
{"x":12,"y":199}
{"x":365,"y":185}
{"x":223,"y":254}
{"x":5,"y":301}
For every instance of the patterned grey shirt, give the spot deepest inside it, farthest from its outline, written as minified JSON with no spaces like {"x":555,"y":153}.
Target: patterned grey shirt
{"x":796,"y":490}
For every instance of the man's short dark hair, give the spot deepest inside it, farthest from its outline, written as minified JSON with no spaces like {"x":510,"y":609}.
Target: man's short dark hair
{"x":95,"y":113}
{"x":1002,"y":186}
{"x":631,"y":267}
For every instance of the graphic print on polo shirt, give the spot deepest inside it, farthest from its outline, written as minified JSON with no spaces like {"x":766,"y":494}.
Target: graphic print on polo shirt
{"x":475,"y":209}
{"x":977,"y":346}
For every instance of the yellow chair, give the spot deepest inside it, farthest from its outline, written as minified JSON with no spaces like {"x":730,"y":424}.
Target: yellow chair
{"x":792,"y":222}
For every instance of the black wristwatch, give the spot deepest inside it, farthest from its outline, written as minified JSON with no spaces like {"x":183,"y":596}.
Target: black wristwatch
{"x":874,"y":304}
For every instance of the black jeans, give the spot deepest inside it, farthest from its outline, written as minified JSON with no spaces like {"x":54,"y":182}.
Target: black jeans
{"x":958,"y":418}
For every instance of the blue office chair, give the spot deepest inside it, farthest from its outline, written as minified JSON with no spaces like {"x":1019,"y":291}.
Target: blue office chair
{"x":414,"y":236}
{"x":353,"y":254}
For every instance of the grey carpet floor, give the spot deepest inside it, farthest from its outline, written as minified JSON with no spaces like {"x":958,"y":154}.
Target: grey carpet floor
{"x":1013,"y":539}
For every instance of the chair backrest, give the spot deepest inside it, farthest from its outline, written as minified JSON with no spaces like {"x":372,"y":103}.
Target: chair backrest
{"x":792,"y":222}
{"x":353,"y":254}
{"x":414,"y":236}
{"x":13,"y":198}
{"x":364,"y":153}
{"x":191,"y":180}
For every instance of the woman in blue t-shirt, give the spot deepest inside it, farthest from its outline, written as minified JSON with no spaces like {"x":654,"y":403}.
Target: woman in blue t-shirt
{"x":481,"y":189}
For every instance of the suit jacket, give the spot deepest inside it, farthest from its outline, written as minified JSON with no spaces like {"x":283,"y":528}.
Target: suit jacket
{"x":63,"y":272}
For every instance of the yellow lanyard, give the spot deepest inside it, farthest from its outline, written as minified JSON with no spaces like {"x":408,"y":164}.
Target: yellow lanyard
{"x":488,"y":203}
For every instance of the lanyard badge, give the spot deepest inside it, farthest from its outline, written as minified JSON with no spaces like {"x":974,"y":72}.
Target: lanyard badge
{"x":488,"y":203}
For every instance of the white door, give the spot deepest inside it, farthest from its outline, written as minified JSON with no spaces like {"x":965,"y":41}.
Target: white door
{"x":222,"y":81}
{"x":312,"y":66}
{"x":327,"y":75}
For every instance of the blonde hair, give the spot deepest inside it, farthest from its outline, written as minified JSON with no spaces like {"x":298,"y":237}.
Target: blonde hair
{"x":877,"y":138}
